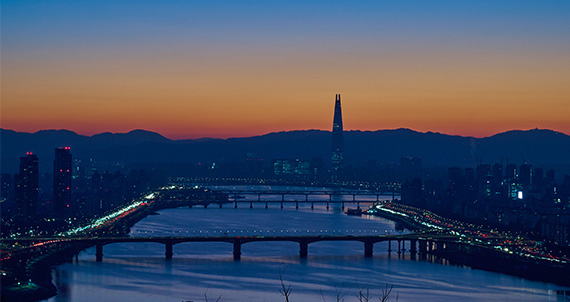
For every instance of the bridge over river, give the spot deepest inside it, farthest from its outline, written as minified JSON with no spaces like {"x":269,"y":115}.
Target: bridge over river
{"x":288,"y":195}
{"x":421,"y":242}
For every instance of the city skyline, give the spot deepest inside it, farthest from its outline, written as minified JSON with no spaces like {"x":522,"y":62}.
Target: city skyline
{"x":192,"y":70}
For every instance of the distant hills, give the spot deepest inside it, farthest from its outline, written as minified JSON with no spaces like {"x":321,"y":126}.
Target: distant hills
{"x":538,"y":147}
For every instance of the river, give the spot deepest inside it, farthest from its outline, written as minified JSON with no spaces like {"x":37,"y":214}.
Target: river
{"x":200,"y":271}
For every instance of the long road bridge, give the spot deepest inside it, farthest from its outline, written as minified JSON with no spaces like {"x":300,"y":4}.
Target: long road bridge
{"x":422,"y":241}
{"x":297,"y":196}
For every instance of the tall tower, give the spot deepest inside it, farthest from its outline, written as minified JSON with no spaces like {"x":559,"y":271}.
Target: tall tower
{"x":62,"y":182}
{"x":27,"y":187}
{"x":337,"y":154}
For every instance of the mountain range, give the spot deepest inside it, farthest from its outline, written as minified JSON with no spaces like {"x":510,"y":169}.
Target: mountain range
{"x":537,"y":147}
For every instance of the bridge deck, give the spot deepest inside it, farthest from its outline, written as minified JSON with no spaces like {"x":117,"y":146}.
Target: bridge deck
{"x":237,"y":241}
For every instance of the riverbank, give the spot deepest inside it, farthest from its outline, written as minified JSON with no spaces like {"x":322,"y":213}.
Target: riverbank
{"x":29,"y":279}
{"x":27,"y":276}
{"x":498,"y":254}
{"x":493,"y":261}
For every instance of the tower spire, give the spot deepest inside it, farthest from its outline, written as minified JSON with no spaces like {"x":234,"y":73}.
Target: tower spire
{"x":337,"y":154}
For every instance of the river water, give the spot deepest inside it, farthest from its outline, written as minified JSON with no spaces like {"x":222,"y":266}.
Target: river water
{"x":207,"y":271}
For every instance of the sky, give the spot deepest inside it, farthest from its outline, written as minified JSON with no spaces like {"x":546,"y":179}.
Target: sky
{"x":192,"y":69}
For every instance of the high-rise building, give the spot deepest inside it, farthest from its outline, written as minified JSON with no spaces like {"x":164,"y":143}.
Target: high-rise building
{"x":525,"y":175}
{"x":296,"y":167}
{"x":337,"y":155}
{"x":538,"y":176}
{"x":62,"y":182}
{"x":27,"y":187}
{"x":484,"y":178}
{"x":7,"y":193}
{"x":512,"y":172}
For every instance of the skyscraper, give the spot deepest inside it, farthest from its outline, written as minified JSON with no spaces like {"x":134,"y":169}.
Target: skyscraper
{"x":27,"y":187}
{"x":62,"y":182}
{"x":337,"y":155}
{"x":525,"y":175}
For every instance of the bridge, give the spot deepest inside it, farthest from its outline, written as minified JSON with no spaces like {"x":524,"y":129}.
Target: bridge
{"x":311,"y":196}
{"x":416,"y":241}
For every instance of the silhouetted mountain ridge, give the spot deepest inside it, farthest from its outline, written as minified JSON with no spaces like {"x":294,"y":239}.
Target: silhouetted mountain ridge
{"x":133,"y":137}
{"x":537,"y":146}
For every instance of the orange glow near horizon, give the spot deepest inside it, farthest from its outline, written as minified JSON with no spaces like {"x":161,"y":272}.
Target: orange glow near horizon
{"x":235,"y":77}
{"x":252,"y":99}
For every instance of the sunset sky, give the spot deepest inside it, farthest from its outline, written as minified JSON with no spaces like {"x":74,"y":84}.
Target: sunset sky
{"x":191,"y":69}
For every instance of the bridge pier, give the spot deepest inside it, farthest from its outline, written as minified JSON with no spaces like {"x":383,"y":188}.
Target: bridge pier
{"x":439,"y":246}
{"x":403,"y":246}
{"x":353,"y":198}
{"x":99,"y":252}
{"x":413,"y":249}
{"x":342,"y":205}
{"x":413,"y":243}
{"x":303,"y":249}
{"x":282,"y":200}
{"x":368,"y":248}
{"x":168,"y":253}
{"x":235,"y":200}
{"x":422,"y":246}
{"x":251,"y":204}
{"x":237,"y":250}
{"x":220,"y":205}
{"x":312,"y":205}
{"x":266,"y":205}
{"x":296,"y":205}
{"x":389,"y":246}
{"x":422,"y":249}
{"x":399,"y":246}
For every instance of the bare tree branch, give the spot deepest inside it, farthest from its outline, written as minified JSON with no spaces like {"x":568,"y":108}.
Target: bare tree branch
{"x":386,"y":293}
{"x":206,"y":296}
{"x":285,"y":290}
